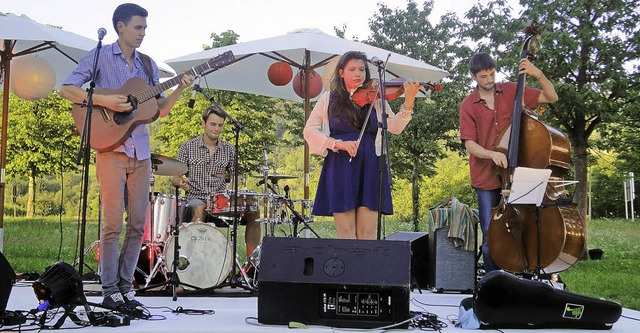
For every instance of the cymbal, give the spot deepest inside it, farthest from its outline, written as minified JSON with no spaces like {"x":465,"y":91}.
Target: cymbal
{"x":167,"y":166}
{"x":275,"y":177}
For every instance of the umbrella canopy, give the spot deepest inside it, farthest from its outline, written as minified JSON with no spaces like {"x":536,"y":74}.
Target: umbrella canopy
{"x":19,"y":36}
{"x":249,"y":73}
{"x":304,"y":50}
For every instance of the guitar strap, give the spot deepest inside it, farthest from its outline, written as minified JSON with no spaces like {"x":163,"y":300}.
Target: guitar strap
{"x":147,"y":68}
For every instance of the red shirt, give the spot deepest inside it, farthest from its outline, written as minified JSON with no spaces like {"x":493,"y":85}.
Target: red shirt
{"x":481,"y":124}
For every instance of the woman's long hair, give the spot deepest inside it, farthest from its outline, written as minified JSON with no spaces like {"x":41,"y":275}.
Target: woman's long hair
{"x":341,"y":103}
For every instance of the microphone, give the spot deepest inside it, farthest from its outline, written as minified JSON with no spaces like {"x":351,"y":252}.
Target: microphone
{"x":192,"y":100}
{"x":286,"y":191}
{"x":376,"y":61}
{"x":101,"y":33}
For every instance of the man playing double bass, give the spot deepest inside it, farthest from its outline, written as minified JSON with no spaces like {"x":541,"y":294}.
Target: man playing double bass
{"x":484,"y":114}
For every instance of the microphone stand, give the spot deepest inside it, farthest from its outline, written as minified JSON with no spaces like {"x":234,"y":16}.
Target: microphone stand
{"x":237,"y":127}
{"x":383,"y":165}
{"x":84,"y":152}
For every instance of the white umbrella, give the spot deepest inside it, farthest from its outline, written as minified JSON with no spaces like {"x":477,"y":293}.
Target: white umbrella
{"x":304,"y":50}
{"x":19,"y":36}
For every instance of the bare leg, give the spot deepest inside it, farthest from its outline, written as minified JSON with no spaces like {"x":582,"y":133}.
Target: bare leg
{"x":345,"y":224}
{"x":252,"y":232}
{"x":198,"y":213}
{"x":366,"y":223}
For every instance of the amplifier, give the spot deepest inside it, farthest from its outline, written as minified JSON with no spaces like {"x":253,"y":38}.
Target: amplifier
{"x":419,"y":256}
{"x":334,"y":282}
{"x":451,"y":269}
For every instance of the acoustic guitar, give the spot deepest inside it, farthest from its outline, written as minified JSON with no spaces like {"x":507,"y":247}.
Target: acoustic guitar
{"x":110,"y":129}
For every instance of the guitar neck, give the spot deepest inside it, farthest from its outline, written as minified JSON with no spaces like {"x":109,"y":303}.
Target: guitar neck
{"x":215,"y":63}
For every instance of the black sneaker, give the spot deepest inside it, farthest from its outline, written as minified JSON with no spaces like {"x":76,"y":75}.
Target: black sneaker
{"x":130,"y":300}
{"x":113,"y":301}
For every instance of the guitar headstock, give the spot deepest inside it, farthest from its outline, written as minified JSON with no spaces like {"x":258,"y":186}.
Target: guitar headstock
{"x":218,"y":62}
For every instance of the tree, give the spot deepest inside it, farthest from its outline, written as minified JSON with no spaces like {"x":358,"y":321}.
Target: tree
{"x":589,"y":48}
{"x":431,"y":130}
{"x":39,"y":141}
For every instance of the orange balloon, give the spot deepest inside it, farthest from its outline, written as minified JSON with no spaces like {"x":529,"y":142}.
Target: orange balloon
{"x":280,"y":73}
{"x":315,"y":84}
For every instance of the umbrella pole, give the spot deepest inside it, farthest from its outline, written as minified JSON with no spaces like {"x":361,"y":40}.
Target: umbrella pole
{"x":307,"y":111}
{"x":6,"y":65}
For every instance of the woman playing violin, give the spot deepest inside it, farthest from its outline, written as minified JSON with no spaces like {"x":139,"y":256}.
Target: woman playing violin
{"x":349,"y":181}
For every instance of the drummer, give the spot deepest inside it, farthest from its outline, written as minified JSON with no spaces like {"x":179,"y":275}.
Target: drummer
{"x":209,"y":160}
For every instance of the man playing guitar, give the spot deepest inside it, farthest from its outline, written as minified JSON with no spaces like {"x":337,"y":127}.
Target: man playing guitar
{"x":125,"y":171}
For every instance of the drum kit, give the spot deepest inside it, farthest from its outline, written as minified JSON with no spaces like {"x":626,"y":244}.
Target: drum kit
{"x":197,"y":255}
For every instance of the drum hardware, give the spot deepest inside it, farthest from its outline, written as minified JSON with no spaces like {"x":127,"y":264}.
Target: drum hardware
{"x":296,"y":217}
{"x":148,"y":255}
{"x":251,"y":267}
{"x":166,"y":166}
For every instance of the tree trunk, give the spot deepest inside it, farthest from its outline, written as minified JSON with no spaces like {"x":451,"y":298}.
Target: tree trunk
{"x":31,"y":196}
{"x":581,"y":164}
{"x":415,"y":193}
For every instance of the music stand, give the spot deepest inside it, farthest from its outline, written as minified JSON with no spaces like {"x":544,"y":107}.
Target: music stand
{"x":528,"y":186}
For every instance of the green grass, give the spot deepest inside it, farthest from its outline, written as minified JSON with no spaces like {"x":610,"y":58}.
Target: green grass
{"x":32,"y":244}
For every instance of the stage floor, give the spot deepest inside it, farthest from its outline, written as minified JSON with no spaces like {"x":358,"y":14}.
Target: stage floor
{"x":234,"y":309}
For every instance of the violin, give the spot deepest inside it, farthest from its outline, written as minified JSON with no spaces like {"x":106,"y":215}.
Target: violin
{"x":392,"y":90}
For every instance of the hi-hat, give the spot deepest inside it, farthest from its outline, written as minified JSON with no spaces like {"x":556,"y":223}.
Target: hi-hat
{"x":167,"y":166}
{"x":275,"y":177}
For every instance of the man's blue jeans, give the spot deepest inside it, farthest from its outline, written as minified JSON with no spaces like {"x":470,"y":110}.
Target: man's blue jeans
{"x":487,"y":199}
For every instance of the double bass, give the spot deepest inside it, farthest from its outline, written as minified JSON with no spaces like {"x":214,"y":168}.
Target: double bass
{"x":524,"y":238}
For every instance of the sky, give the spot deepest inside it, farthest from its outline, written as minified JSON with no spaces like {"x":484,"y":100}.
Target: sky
{"x":178,"y":28}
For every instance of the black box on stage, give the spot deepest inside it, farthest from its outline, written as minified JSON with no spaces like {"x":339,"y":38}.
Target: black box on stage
{"x":451,"y":269}
{"x":334,"y":282}
{"x":419,"y":255}
{"x":7,"y":279}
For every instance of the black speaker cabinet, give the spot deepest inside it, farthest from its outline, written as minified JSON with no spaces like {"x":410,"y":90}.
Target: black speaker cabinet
{"x":451,"y":269}
{"x":334,"y":282}
{"x":419,"y":255}
{"x":7,"y":279}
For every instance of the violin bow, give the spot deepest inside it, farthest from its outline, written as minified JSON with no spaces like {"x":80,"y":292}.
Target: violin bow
{"x":364,"y":125}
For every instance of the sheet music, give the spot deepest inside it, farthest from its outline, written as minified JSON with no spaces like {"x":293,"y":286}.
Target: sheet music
{"x":528,"y":185}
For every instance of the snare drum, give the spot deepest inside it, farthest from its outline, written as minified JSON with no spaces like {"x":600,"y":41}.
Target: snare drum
{"x":164,"y":216}
{"x":205,"y":256}
{"x":222,"y":203}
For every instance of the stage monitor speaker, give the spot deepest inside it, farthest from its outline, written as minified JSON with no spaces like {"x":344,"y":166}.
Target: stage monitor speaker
{"x":419,"y":256}
{"x":7,"y":279}
{"x":334,"y":282}
{"x":451,"y":269}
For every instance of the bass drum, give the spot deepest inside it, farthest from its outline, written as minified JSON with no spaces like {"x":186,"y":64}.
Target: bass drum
{"x":205,"y":257}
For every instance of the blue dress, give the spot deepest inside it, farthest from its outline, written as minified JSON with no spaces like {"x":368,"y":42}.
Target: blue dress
{"x":345,"y":185}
